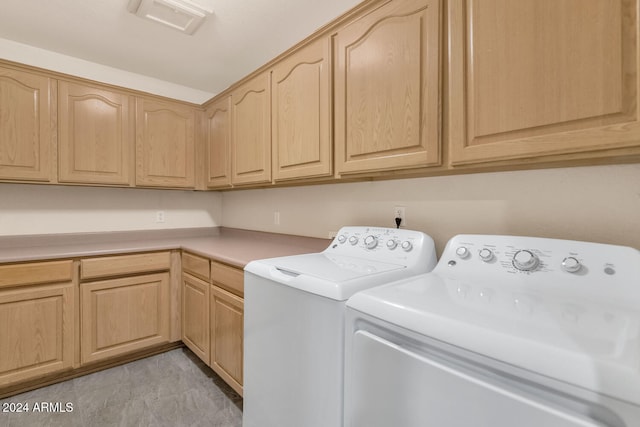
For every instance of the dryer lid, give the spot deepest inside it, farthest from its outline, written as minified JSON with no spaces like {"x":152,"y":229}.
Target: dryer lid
{"x":584,"y":342}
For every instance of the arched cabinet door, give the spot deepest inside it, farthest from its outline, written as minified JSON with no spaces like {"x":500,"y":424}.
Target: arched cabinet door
{"x":27,"y":126}
{"x":387,"y":88}
{"x":95,"y":135}
{"x":300,"y":113}
{"x":251,"y":132}
{"x":218,"y":143}
{"x":165,"y":144}
{"x":539,"y":80}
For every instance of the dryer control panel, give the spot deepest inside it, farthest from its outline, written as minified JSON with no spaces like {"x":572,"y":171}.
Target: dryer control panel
{"x":577,"y":267}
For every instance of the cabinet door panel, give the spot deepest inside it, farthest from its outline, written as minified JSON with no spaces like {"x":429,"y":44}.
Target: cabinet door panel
{"x":27,"y":123}
{"x":123,"y":315}
{"x":165,"y":144}
{"x":195,"y":316}
{"x":387,"y":89}
{"x":251,"y":132}
{"x":218,"y":117}
{"x":301,"y":128}
{"x":36,"y":331}
{"x":541,"y":77}
{"x":227,"y":311}
{"x":96,"y":135}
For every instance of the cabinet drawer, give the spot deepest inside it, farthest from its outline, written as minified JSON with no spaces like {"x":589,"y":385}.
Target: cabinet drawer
{"x":35,"y":272}
{"x":227,"y":277}
{"x":196,"y":265}
{"x":124,"y":264}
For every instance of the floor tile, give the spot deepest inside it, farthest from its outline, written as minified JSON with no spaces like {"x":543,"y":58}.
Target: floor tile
{"x":172,"y":389}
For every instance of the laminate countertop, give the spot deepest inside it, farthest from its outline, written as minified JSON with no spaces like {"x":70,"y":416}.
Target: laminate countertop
{"x":228,"y":245}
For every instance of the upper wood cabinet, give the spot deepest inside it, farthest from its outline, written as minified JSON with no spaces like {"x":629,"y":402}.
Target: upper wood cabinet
{"x":541,"y":77}
{"x":251,"y":132}
{"x":300,"y":114}
{"x":27,"y":126}
{"x":387,"y":88}
{"x":96,"y":134}
{"x":218,"y":143}
{"x":165,"y":144}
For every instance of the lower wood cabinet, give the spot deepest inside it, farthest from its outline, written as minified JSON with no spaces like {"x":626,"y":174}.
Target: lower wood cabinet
{"x":195,"y":316}
{"x":227,"y":323}
{"x":123,"y":315}
{"x":213,"y":315}
{"x":37,"y":320}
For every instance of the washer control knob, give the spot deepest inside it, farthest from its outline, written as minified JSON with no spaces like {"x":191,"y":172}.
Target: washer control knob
{"x":342,"y":238}
{"x":406,"y":246}
{"x":462,"y":252}
{"x":571,"y":265}
{"x":525,"y":260}
{"x":371,"y":242}
{"x":392,"y":244}
{"x":485,"y":254}
{"x":353,"y":240}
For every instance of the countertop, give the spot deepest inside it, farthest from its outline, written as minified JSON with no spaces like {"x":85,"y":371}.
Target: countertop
{"x":231,"y":246}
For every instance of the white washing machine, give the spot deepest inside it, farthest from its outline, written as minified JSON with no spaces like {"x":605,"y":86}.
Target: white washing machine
{"x":505,"y":331}
{"x":294,"y":321}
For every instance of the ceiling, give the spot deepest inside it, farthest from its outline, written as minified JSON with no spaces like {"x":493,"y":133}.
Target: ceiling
{"x":239,"y":37}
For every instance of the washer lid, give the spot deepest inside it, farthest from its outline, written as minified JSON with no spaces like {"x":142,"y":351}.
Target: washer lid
{"x":583,"y":342}
{"x":333,"y":276}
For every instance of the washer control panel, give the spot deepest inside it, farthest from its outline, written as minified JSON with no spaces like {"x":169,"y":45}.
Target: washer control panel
{"x":392,"y":245}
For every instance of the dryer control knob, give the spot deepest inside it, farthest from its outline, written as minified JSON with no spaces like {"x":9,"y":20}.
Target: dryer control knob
{"x":342,"y":238}
{"x":371,"y":242}
{"x":406,"y":246}
{"x":525,"y":260}
{"x":485,"y":254}
{"x":353,"y":240}
{"x":571,"y":265}
{"x":392,"y":244}
{"x":462,"y":252}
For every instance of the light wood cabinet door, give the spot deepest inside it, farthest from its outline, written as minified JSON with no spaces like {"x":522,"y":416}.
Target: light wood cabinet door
{"x":387,"y":95}
{"x":123,"y":315}
{"x":218,"y":143}
{"x":165,"y":144}
{"x":531,"y":78}
{"x":27,"y":126}
{"x":96,"y":135}
{"x":37,"y":331}
{"x":195,"y":316}
{"x":300,"y":113}
{"x":227,"y":313}
{"x":251,"y":132}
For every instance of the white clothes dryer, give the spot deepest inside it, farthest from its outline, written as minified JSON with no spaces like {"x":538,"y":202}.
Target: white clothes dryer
{"x":505,"y":331}
{"x":294,"y":321}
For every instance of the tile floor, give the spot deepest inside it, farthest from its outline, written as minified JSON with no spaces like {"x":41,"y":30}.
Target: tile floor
{"x":172,"y":389}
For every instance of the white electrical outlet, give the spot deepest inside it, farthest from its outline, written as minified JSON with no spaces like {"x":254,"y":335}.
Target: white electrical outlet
{"x":276,"y":218}
{"x":160,"y":216}
{"x":399,"y":212}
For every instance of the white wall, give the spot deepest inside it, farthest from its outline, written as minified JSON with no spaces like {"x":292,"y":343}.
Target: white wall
{"x":600,"y":204}
{"x":50,"y":209}
{"x":37,"y":57}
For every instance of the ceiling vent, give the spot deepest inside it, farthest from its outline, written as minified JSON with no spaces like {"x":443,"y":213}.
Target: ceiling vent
{"x":182,"y":15}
